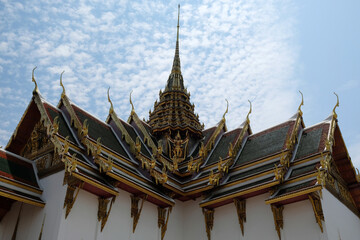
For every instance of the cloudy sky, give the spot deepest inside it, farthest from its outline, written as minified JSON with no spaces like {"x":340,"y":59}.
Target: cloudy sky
{"x":261,"y":50}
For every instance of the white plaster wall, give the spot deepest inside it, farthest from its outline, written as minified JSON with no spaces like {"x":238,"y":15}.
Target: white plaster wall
{"x":119,"y":224}
{"x":340,"y":222}
{"x":300,"y":223}
{"x":31,"y":217}
{"x":186,"y":220}
{"x":193,"y":221}
{"x":81,"y":222}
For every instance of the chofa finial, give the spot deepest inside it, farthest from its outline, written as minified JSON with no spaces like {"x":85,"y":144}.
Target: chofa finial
{"x":132,"y":105}
{"x":36,"y":89}
{"x":111,"y":110}
{"x":61,"y":84}
{"x":302,"y":102}
{"x":337,"y":105}
{"x":227,"y":108}
{"x":247,"y":116}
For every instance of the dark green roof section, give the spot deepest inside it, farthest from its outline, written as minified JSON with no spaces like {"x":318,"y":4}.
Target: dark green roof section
{"x":207,"y":134}
{"x":222,"y":148}
{"x":263,"y":145}
{"x":309,"y":142}
{"x":98,"y":129}
{"x":296,"y":187}
{"x":17,"y":169}
{"x":251,"y":172}
{"x":302,"y":170}
{"x":130,"y":130}
{"x":64,"y":130}
{"x":133,"y":136}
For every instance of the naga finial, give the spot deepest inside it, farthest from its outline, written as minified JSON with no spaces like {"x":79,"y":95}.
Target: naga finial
{"x":247,"y":116}
{"x":36,"y":89}
{"x":62,"y":85}
{"x":227,"y":108}
{"x":132,"y":105}
{"x":111,"y":110}
{"x":302,"y":102}
{"x":337,"y":105}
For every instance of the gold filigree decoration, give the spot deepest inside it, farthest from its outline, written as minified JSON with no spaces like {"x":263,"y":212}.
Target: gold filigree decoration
{"x":111,"y":110}
{"x":103,"y":213}
{"x":104,"y":165}
{"x":325,"y":161}
{"x":178,"y":149}
{"x":85,"y":129}
{"x":278,"y":218}
{"x":241,"y":212}
{"x":36,"y":89}
{"x":279,"y":172}
{"x":316,"y":205}
{"x":38,"y":140}
{"x":62,"y":85}
{"x":70,"y":198}
{"x":223,"y":168}
{"x":194,"y":165}
{"x":70,"y":164}
{"x":135,"y":211}
{"x":163,"y":219}
{"x":209,"y":221}
{"x":159,"y":177}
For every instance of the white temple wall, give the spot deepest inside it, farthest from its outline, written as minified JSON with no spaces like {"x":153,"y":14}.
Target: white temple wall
{"x":340,"y":222}
{"x":186,"y":220}
{"x":31,"y":217}
{"x":300,"y":222}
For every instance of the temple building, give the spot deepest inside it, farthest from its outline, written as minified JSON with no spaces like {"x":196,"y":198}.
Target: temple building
{"x":66,"y":174}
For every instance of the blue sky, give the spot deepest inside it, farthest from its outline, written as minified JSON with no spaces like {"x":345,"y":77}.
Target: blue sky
{"x":260,"y":50}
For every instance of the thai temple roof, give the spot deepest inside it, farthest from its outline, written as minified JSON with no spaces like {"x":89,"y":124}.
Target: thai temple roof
{"x":172,"y":157}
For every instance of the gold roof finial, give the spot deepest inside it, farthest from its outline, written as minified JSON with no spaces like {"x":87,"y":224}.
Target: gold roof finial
{"x":111,"y":110}
{"x":62,"y":85}
{"x":302,"y":102}
{"x":227,"y":108}
{"x":36,"y":89}
{"x":247,"y":116}
{"x":337,"y":105}
{"x":132,"y":105}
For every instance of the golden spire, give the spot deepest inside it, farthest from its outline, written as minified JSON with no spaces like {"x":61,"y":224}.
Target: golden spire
{"x":111,"y":110}
{"x":61,"y":84}
{"x":175,"y":81}
{"x":132,"y":105}
{"x":302,"y":103}
{"x":227,"y":109}
{"x":176,"y":64}
{"x":34,"y":81}
{"x":337,"y":105}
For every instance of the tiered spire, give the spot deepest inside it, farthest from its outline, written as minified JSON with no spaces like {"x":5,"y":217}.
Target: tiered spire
{"x":175,"y":81}
{"x":174,"y":111}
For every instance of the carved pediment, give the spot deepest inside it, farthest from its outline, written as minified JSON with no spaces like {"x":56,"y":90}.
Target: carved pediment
{"x":38,"y":142}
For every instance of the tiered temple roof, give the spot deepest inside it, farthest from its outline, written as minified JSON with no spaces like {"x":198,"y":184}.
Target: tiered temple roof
{"x":171,"y":157}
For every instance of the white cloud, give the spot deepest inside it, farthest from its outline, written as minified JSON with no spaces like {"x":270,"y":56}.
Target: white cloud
{"x":234,"y":50}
